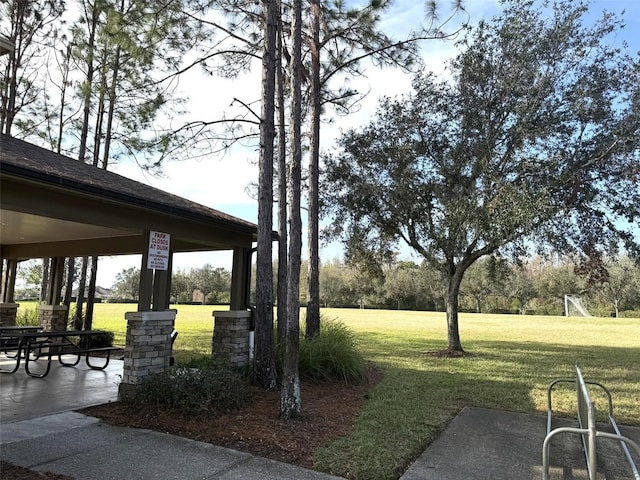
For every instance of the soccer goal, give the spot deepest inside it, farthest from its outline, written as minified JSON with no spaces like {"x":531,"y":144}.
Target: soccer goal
{"x":573,"y":307}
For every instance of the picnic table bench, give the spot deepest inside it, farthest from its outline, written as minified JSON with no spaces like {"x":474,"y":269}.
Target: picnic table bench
{"x":11,"y":341}
{"x":31,"y":345}
{"x":586,"y":427}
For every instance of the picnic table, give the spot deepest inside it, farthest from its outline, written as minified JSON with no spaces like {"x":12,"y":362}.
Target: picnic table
{"x":32,"y":343}
{"x":11,"y":341}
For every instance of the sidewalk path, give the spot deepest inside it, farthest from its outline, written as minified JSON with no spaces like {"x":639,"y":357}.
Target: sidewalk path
{"x":79,"y":446}
{"x":483,"y":444}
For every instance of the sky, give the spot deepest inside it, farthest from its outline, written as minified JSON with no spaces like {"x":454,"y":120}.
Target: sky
{"x":221,"y":182}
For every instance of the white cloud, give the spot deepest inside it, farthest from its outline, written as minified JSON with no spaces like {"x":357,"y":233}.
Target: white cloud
{"x":209,"y":181}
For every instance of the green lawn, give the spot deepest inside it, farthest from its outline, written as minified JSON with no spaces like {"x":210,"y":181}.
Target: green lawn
{"x":193,"y":322}
{"x":513,"y":359}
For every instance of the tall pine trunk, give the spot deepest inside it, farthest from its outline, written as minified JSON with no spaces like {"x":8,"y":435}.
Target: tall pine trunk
{"x":78,"y":317}
{"x":88,"y":81}
{"x":313,"y":277}
{"x":71,"y":273}
{"x":91,"y":297}
{"x":97,"y":144}
{"x":283,"y":241}
{"x":82,"y":151}
{"x":264,"y":371}
{"x":290,"y":399}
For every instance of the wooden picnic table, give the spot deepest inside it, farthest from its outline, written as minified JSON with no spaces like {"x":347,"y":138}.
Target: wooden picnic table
{"x":32,"y":344}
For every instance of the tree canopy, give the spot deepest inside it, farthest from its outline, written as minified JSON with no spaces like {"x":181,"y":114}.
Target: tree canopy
{"x":531,"y":138}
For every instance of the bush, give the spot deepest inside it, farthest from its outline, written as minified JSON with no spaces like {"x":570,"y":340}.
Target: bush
{"x":211,"y":390}
{"x":102,"y":339}
{"x":27,"y":316}
{"x":332,"y":356}
{"x":504,"y":311}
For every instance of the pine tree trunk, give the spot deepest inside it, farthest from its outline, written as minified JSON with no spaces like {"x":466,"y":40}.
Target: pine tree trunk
{"x":77,"y":322}
{"x":91,"y":297}
{"x":282,"y":192}
{"x":290,"y":400}
{"x":68,"y":293}
{"x":313,"y":277}
{"x":84,"y":133}
{"x":264,"y":371}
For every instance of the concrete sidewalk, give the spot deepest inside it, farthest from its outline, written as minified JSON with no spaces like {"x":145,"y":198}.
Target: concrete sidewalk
{"x":85,"y":449}
{"x":479,"y":444}
{"x":483,"y":444}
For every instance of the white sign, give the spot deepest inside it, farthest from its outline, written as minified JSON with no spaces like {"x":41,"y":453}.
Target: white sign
{"x":159,"y":251}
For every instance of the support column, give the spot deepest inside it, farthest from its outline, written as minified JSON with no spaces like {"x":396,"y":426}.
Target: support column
{"x":155,"y":273}
{"x":147,"y":350}
{"x":231,"y":337}
{"x":240,"y":278}
{"x":9,"y":280}
{"x":56,"y":276}
{"x":8,"y":314}
{"x":53,"y":318}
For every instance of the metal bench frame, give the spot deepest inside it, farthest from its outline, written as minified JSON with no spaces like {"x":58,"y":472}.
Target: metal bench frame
{"x":587,"y":427}
{"x":54,"y":349}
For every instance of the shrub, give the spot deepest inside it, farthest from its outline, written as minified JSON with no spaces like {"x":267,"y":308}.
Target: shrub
{"x":504,"y":311}
{"x":27,"y":316}
{"x":102,"y":339}
{"x":211,"y":390}
{"x":332,"y":356}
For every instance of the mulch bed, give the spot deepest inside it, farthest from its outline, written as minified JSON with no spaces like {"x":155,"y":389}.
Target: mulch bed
{"x":13,"y":472}
{"x":329,"y":413}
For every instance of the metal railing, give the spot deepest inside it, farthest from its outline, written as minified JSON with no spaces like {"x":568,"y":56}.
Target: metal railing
{"x":586,"y":427}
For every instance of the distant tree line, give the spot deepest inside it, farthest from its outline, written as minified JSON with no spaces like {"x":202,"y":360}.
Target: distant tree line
{"x":211,"y":285}
{"x":492,"y":285}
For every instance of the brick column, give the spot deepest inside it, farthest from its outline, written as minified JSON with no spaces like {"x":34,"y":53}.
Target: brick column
{"x":53,"y":318}
{"x":231,"y":337}
{"x":148,"y":348}
{"x":8,"y":314}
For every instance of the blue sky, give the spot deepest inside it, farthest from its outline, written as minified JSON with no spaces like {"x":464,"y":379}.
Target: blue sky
{"x":221,"y":182}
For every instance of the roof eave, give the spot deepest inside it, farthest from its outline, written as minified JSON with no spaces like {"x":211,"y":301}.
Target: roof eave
{"x":5,"y":45}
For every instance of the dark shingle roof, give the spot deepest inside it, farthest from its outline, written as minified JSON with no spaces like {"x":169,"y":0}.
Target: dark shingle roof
{"x":23,"y":159}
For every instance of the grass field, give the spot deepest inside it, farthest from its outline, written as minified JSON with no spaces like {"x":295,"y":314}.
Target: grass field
{"x":512,"y":360}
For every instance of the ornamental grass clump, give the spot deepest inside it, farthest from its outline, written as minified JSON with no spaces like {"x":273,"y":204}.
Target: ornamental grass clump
{"x":28,"y":316}
{"x":332,"y":356}
{"x":211,"y":390}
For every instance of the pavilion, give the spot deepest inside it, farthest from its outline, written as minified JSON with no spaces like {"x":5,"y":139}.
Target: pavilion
{"x":52,"y":206}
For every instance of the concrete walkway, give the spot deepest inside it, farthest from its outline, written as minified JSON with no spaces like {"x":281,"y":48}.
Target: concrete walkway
{"x":483,"y":444}
{"x":39,"y":430}
{"x":85,"y":449}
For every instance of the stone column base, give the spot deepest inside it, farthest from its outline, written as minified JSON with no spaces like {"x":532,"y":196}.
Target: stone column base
{"x":147,"y":349}
{"x":8,"y":314}
{"x":231,"y":337}
{"x":53,"y":318}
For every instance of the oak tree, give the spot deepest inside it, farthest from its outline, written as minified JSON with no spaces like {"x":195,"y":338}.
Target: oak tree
{"x":532,"y":139}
